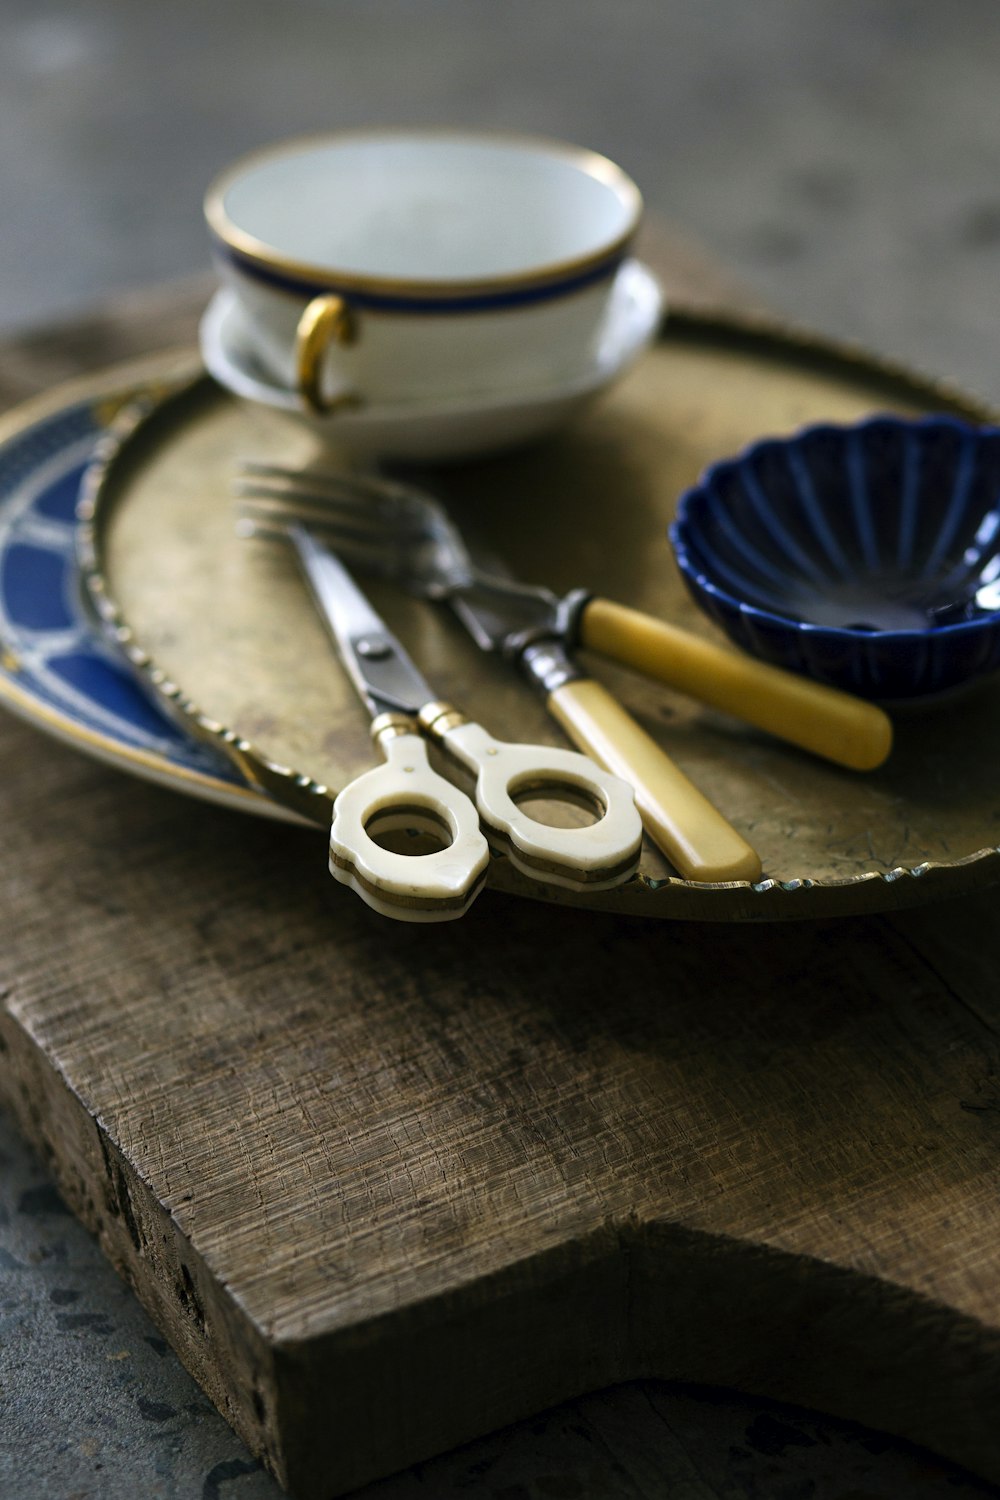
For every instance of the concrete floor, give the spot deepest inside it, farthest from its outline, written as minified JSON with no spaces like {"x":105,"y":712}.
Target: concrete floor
{"x":94,"y":1406}
{"x":842,"y":155}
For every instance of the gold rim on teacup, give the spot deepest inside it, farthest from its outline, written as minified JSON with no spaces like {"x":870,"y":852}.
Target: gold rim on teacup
{"x":337,"y":297}
{"x":324,"y":278}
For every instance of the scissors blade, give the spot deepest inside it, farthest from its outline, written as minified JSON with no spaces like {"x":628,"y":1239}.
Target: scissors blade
{"x":380,"y":669}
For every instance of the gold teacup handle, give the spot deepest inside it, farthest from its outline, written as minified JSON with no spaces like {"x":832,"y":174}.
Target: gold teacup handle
{"x":326,"y":319}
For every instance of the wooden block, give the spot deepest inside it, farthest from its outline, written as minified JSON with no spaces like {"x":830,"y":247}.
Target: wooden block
{"x":385,"y":1188}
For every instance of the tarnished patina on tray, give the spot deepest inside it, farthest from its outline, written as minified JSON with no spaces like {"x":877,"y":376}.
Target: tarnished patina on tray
{"x":224,"y":630}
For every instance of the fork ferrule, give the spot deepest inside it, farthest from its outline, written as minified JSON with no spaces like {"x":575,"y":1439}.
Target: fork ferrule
{"x":569,"y":614}
{"x":560,"y":621}
{"x":548,"y":666}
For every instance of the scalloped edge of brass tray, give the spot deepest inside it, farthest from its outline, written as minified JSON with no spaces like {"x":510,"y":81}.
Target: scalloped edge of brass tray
{"x":767,"y":900}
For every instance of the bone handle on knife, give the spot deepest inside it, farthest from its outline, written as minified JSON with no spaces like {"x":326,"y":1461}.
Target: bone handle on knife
{"x":822,"y":719}
{"x":678,"y":818}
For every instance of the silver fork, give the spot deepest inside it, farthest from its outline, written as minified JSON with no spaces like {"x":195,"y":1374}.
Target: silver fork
{"x":399,"y":532}
{"x":395,"y":534}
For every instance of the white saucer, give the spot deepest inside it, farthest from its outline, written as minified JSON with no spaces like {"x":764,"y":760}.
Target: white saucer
{"x":452,"y":428}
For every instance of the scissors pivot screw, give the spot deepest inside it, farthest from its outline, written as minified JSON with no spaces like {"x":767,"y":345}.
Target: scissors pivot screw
{"x":373,"y":648}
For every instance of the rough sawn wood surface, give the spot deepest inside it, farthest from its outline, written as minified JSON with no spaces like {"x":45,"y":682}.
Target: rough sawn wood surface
{"x":385,"y":1188}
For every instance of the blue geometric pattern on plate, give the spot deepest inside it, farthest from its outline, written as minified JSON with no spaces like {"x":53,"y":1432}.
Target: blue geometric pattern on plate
{"x":867,"y":556}
{"x":55,"y":665}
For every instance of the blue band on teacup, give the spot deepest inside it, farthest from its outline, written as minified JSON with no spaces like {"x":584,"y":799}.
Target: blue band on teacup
{"x":402,"y":303}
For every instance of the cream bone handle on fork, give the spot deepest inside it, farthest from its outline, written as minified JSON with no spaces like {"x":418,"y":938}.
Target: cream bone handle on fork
{"x":678,"y":817}
{"x":407,"y":793}
{"x":699,"y":842}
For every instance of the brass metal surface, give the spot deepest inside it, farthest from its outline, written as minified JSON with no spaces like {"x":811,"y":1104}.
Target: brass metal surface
{"x":225,"y":628}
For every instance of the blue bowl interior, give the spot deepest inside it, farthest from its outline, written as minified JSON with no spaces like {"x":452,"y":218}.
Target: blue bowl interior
{"x":890,"y":526}
{"x":868,"y":556}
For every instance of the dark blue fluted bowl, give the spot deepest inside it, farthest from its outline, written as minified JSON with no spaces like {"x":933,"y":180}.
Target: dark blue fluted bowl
{"x":867,"y":556}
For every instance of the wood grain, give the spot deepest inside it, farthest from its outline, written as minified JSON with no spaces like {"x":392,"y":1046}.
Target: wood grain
{"x":384,"y":1189}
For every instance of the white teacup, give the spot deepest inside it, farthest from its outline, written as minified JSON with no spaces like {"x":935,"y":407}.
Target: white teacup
{"x":400,"y":265}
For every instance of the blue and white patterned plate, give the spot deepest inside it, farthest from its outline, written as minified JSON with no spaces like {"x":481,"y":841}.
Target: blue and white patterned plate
{"x":56,"y":668}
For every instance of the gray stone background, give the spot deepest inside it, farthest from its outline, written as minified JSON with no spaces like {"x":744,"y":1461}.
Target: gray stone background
{"x":842,"y":155}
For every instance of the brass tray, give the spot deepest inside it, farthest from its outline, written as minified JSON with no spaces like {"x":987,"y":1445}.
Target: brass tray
{"x":224,"y":631}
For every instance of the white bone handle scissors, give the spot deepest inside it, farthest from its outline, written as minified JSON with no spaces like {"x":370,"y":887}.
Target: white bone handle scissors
{"x":407,"y":793}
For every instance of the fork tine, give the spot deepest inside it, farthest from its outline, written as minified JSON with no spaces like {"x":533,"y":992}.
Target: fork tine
{"x":325,"y":508}
{"x":393,"y":530}
{"x":389,"y":497}
{"x":256,"y":518}
{"x":373,"y":562}
{"x":285,"y":507}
